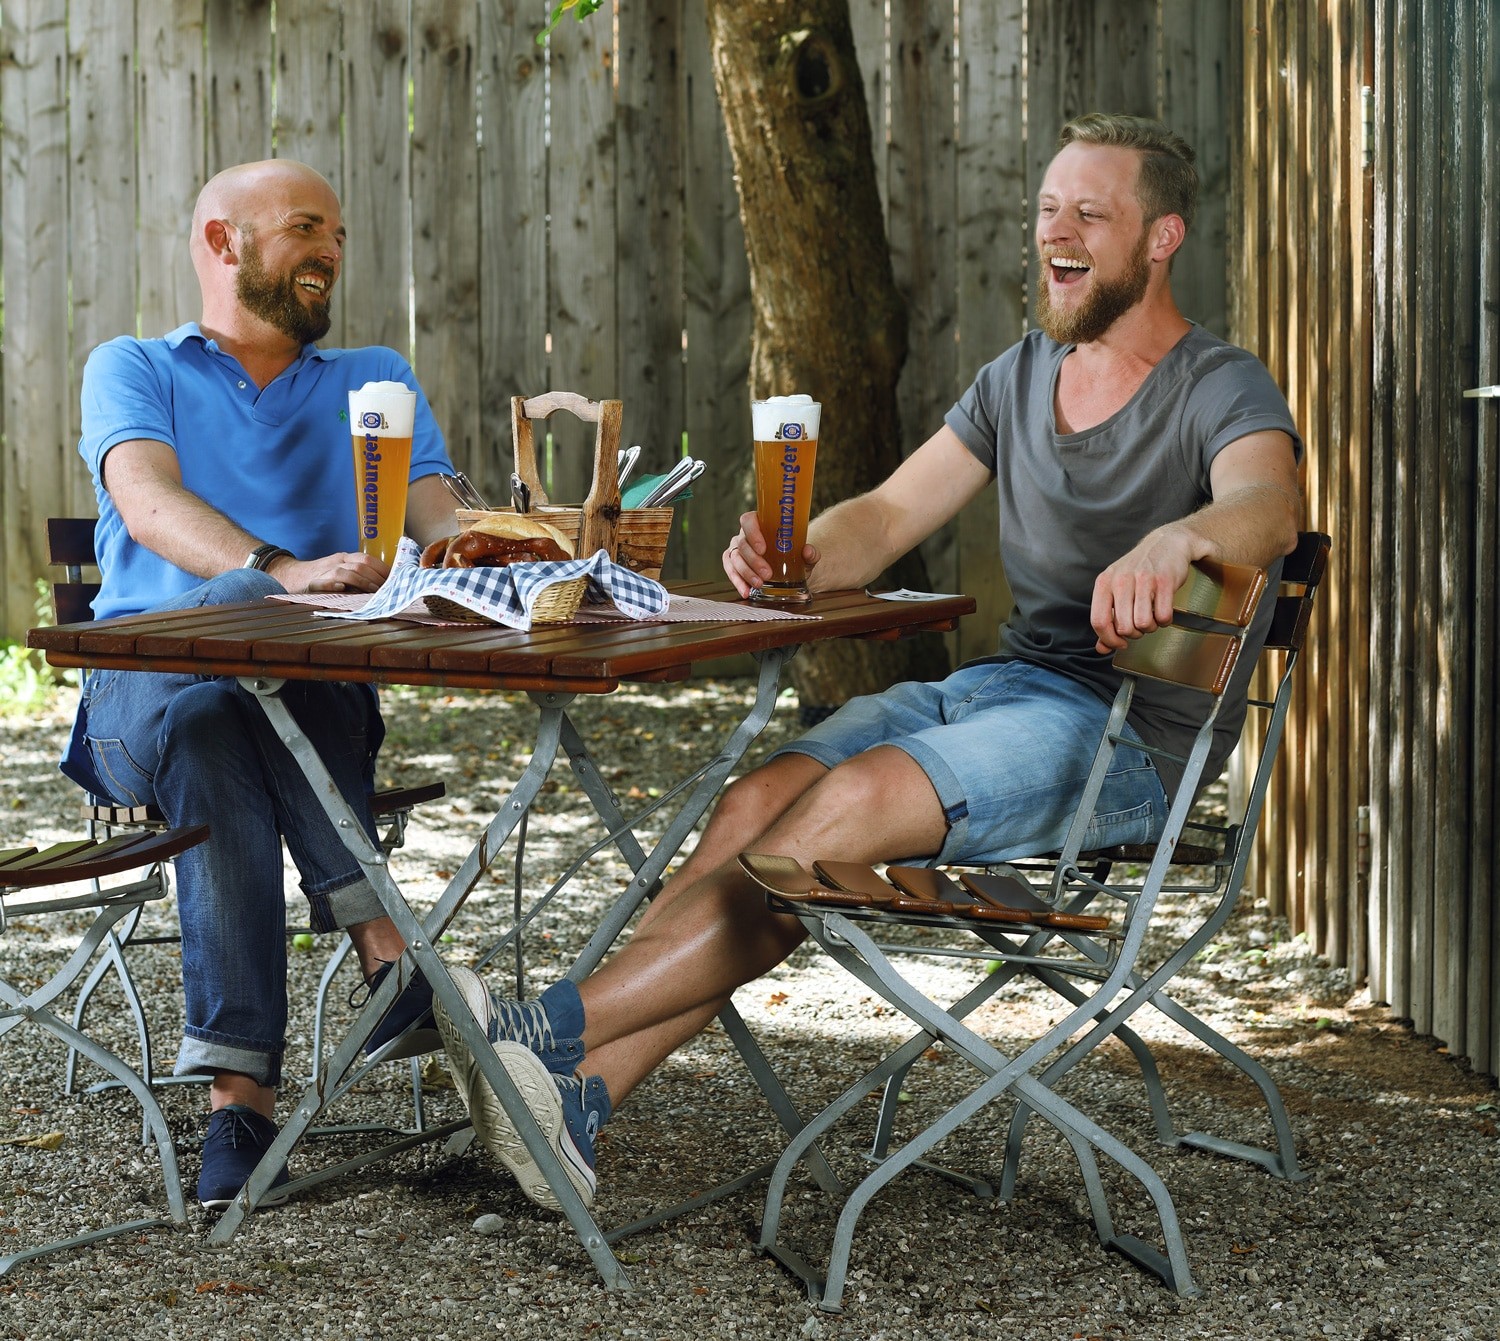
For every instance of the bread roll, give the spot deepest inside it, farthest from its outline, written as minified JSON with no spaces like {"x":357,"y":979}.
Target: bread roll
{"x":498,"y":540}
{"x":518,"y":526}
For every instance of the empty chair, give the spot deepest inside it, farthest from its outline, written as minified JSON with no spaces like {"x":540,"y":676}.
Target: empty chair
{"x":25,"y":874}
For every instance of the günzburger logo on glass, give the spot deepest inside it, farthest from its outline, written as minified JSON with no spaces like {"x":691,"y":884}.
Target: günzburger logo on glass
{"x":374,"y":423}
{"x":791,"y":432}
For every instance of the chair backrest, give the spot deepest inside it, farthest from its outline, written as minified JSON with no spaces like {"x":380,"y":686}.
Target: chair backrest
{"x":1303,"y":571}
{"x":1198,"y":657}
{"x":1301,"y":574}
{"x":601,"y":509}
{"x":70,"y":546}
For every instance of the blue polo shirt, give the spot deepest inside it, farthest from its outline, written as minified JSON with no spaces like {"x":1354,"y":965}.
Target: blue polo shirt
{"x":276,"y":461}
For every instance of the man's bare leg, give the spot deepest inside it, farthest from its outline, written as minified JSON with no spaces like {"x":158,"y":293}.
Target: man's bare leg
{"x":714,"y":933}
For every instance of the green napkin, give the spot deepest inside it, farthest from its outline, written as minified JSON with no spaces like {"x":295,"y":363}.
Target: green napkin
{"x":639,"y":489}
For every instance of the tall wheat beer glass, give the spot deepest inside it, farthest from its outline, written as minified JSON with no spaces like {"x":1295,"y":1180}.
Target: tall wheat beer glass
{"x":380,"y":422}
{"x":786,"y":450}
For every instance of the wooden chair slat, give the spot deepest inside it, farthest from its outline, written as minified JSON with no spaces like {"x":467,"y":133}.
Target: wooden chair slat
{"x":1224,"y":592}
{"x":91,"y":859}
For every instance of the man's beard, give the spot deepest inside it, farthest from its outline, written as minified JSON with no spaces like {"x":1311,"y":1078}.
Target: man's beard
{"x":1107,"y":301}
{"x":275,"y":298}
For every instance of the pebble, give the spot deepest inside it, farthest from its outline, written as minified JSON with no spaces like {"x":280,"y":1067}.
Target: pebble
{"x":490,"y":1225}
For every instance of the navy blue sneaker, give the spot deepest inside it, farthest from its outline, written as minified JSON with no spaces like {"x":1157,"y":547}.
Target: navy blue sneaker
{"x":527,"y":1024}
{"x":237,"y":1137}
{"x":408,"y":1029}
{"x":569,"y":1110}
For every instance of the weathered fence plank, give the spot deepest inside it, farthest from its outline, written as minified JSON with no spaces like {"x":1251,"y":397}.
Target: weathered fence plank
{"x":445,"y":240}
{"x":868,"y":23}
{"x":376,"y":186}
{"x":309,"y":99}
{"x":33,"y":199}
{"x":921,"y":225}
{"x":237,"y":42}
{"x":1196,"y":101}
{"x":170,"y":116}
{"x":718,"y":320}
{"x":103,"y":273}
{"x":582,"y":196}
{"x":1453,"y":323}
{"x":1385,"y":970}
{"x":648,"y":260}
{"x":993,"y":245}
{"x":1483,"y":981}
{"x":512,"y":353}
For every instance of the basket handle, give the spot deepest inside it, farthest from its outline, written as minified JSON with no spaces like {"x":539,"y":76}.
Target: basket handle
{"x":601,"y":509}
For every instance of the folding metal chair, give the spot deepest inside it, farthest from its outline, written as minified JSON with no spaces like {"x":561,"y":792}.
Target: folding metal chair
{"x":89,"y":860}
{"x":1222,"y":852}
{"x":1079,"y":931}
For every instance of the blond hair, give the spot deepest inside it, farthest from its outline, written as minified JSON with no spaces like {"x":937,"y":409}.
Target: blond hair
{"x":1168,"y":181}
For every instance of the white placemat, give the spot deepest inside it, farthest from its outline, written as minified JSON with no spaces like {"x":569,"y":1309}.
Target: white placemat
{"x":680,"y":610}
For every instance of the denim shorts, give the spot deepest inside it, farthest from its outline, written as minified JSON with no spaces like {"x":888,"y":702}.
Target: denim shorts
{"x":1007,"y":747}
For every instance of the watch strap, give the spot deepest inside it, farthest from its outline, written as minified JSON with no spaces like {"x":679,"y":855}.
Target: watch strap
{"x":264,"y":555}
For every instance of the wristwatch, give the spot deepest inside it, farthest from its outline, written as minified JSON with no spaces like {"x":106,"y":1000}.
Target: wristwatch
{"x":262,"y":557}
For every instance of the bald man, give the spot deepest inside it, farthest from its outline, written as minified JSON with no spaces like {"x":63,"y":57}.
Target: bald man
{"x":220,"y":460}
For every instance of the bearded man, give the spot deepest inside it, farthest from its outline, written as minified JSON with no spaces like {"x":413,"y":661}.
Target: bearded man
{"x":221,"y":463}
{"x":1125,"y":442}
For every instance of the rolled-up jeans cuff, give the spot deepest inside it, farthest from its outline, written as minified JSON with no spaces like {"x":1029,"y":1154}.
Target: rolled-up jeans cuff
{"x":346,"y":906}
{"x":201,"y":1056}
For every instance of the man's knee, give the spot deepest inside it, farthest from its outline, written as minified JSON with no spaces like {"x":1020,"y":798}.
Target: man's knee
{"x":238,"y":584}
{"x":202,"y":718}
{"x":750,"y":804}
{"x":883,"y":790}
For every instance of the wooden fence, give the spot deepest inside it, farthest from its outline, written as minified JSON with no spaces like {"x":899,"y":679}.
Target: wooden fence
{"x":1369,"y":280}
{"x":523,"y":217}
{"x":1301,"y":301}
{"x":1434,"y":500}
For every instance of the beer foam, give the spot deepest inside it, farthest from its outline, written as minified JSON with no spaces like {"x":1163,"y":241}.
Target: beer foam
{"x":770,"y":416}
{"x":384,"y":408}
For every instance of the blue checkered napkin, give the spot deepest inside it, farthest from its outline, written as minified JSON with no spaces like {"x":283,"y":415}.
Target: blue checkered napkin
{"x":508,"y":595}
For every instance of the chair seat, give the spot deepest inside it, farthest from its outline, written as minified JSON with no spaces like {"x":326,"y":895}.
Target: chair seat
{"x":92,"y":858}
{"x":383,"y":801}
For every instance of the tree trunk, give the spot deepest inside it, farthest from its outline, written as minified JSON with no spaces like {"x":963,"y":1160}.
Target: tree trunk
{"x":828,"y":317}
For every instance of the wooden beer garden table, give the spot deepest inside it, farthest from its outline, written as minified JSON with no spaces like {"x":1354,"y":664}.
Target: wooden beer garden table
{"x":264,"y":644}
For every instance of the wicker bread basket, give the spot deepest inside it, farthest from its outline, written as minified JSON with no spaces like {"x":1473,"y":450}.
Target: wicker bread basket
{"x":636,"y":538}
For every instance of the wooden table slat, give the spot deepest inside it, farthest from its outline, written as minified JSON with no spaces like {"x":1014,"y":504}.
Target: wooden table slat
{"x":278,"y":640}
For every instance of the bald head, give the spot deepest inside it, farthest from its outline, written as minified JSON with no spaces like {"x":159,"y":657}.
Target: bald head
{"x":240,"y":194}
{"x":267,"y":245}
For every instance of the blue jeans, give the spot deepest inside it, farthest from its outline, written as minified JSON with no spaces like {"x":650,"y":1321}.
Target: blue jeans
{"x":1007,"y":747}
{"x":204,"y":752}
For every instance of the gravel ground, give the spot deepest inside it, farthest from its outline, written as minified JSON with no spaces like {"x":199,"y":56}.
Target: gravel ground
{"x":1393,"y":1234}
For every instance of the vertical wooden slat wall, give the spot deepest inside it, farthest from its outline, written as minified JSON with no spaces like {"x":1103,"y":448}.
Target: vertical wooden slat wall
{"x":1369,"y":280}
{"x":524,"y":216}
{"x":1433,"y":522}
{"x":1301,"y":272}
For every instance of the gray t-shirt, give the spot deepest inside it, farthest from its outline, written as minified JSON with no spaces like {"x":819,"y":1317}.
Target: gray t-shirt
{"x":1073,"y":503}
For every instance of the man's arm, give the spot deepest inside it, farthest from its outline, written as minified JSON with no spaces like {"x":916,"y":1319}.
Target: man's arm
{"x":429,"y":511}
{"x":1251,"y":520}
{"x":145,"y":482}
{"x":855,"y":541}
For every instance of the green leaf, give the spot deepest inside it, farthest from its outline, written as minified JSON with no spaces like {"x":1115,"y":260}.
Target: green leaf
{"x":581,"y":10}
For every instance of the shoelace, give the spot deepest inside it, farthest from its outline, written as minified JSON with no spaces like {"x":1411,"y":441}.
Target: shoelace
{"x":236,"y":1130}
{"x":361,"y":994}
{"x":526,"y":1022}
